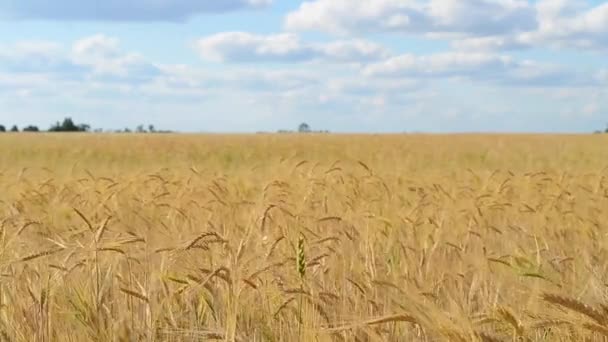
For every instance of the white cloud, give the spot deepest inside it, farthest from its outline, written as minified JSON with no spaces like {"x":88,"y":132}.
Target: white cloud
{"x":284,"y":47}
{"x":570,"y":24}
{"x":474,"y":17}
{"x":481,"y":17}
{"x":353,"y":84}
{"x":93,"y":57}
{"x":102,"y":54}
{"x":492,"y":43}
{"x":119,"y":10}
{"x":474,"y":25}
{"x":480,"y":67}
{"x":10,"y":82}
{"x":439,"y":65}
{"x":31,"y":56}
{"x":355,"y":50}
{"x":246,"y":47}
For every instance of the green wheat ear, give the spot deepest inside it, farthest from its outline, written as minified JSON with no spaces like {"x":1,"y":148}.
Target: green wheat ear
{"x":301,"y":259}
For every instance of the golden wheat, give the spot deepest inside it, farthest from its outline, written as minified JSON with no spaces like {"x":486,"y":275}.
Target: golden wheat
{"x":303,"y":238}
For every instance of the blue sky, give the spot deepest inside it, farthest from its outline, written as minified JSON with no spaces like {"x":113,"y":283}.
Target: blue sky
{"x":342,"y":65}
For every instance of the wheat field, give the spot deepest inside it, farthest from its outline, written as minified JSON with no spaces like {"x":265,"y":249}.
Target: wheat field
{"x":303,"y":238}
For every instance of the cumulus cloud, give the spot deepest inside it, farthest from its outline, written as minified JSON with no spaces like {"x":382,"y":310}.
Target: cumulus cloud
{"x":492,"y":43}
{"x":570,"y":24}
{"x":352,"y":82}
{"x":474,"y":17}
{"x":119,"y":10}
{"x":284,"y":47}
{"x":479,"y":66}
{"x":91,"y":58}
{"x":34,"y":56}
{"x":102,"y":54}
{"x":481,"y":25}
{"x":440,"y":65}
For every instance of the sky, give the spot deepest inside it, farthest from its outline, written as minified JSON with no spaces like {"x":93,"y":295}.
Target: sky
{"x":340,"y":65}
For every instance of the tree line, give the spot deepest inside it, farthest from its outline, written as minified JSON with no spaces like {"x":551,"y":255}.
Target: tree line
{"x":302,"y":128}
{"x":602,"y":131}
{"x":68,"y":125}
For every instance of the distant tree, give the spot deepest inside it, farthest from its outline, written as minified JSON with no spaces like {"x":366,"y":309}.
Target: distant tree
{"x":151,"y":128}
{"x":304,"y":128}
{"x":14,"y":128}
{"x":31,"y":128}
{"x":2,"y":128}
{"x":84,"y":128}
{"x":68,"y":125}
{"x":140,"y":129}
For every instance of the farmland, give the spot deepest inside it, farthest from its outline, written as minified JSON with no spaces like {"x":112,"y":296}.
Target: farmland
{"x":303,"y":237}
